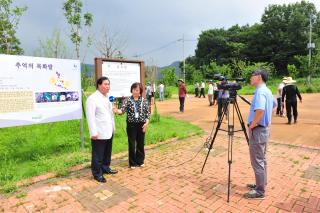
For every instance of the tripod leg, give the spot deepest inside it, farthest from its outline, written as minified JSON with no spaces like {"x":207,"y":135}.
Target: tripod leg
{"x":229,"y":172}
{"x":229,"y":176}
{"x":241,"y":122}
{"x":215,"y":134}
{"x":230,"y":145}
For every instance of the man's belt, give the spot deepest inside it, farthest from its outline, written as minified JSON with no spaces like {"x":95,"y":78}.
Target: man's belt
{"x":257,"y":126}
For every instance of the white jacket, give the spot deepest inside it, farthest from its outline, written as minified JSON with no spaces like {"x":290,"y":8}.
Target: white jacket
{"x":100,"y":116}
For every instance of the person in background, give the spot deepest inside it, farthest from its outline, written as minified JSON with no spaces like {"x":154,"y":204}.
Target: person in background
{"x":196,"y":89}
{"x":222,"y":99}
{"x":279,"y":111}
{"x":149,"y":93}
{"x":161,"y":91}
{"x":138,"y":116}
{"x":101,"y":125}
{"x":215,"y":94}
{"x":153,"y":92}
{"x":202,"y":89}
{"x":210,"y":93}
{"x":182,"y":94}
{"x":290,"y":93}
{"x":259,"y":122}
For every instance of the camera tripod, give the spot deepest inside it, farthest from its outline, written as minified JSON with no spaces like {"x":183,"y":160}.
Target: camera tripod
{"x":231,"y":101}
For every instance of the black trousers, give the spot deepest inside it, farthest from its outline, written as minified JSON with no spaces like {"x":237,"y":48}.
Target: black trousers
{"x":101,"y":156}
{"x":181,"y":100}
{"x":149,"y":99}
{"x":221,"y":105}
{"x":196,"y":90}
{"x":202,"y":93}
{"x":215,"y":96}
{"x":136,"y":143}
{"x":279,"y":107}
{"x":291,"y":105}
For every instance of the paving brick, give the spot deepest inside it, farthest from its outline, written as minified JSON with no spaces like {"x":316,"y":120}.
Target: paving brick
{"x":21,"y":209}
{"x":313,"y":201}
{"x":297,"y":208}
{"x":284,"y":206}
{"x":164,"y":186}
{"x":309,"y":210}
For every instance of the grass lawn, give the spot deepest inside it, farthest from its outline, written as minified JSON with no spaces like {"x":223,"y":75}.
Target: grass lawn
{"x":55,"y":147}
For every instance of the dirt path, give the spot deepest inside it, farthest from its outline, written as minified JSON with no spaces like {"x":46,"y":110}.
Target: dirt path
{"x":306,"y":132}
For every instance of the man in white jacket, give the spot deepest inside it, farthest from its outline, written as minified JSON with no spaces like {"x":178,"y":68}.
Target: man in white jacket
{"x":101,"y":124}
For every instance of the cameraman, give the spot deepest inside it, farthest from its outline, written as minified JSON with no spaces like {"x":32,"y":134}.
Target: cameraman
{"x":259,"y":121}
{"x":222,"y":97}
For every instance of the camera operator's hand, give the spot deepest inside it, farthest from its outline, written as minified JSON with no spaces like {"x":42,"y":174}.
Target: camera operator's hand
{"x":252,"y":126}
{"x":256,"y":118}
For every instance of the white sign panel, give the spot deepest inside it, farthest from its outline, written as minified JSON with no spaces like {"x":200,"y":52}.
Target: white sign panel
{"x":122,"y":75}
{"x":38,"y":90}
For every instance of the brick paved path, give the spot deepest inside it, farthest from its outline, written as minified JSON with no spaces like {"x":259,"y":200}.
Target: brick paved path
{"x":168,"y":185}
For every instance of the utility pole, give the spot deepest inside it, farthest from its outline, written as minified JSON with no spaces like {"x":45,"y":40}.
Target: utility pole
{"x":184,"y":61}
{"x":310,"y":46}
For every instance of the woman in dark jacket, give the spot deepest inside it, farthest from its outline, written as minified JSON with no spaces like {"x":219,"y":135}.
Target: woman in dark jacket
{"x":138,"y":115}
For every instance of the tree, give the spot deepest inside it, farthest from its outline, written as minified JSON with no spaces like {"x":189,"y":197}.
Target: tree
{"x":73,"y":13}
{"x":282,"y":34}
{"x":221,"y":46}
{"x":192,"y":74}
{"x":246,"y":69}
{"x":53,"y":47}
{"x":110,"y":45}
{"x":150,"y":72}
{"x":285,"y":32}
{"x":303,"y":63}
{"x":292,"y":70}
{"x":9,"y":21}
{"x":212,"y":45}
{"x":169,"y":76}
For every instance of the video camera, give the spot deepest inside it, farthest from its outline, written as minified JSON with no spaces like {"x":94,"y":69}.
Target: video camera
{"x":225,"y":85}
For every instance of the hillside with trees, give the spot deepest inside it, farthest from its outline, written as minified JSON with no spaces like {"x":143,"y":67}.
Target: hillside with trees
{"x":278,"y":42}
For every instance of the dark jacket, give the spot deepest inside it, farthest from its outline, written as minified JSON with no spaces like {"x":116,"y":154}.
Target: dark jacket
{"x":291,"y":92}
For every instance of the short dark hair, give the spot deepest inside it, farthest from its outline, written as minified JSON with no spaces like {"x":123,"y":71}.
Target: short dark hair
{"x":100,"y":80}
{"x":262,"y":72}
{"x":136,"y":85}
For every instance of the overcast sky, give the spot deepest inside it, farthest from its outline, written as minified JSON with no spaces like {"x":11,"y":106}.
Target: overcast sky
{"x":145,"y":24}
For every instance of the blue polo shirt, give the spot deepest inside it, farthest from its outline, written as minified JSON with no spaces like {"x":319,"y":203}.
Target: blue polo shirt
{"x":262,"y":99}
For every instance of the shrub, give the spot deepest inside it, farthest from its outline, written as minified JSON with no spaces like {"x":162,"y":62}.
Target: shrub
{"x":155,"y":117}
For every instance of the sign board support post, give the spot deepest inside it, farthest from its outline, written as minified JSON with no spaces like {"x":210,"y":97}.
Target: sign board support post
{"x":81,"y":134}
{"x":81,"y":121}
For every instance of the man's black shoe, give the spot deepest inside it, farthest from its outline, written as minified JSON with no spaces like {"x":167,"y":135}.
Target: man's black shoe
{"x":100,"y":179}
{"x":110,"y":171}
{"x":253,"y":194}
